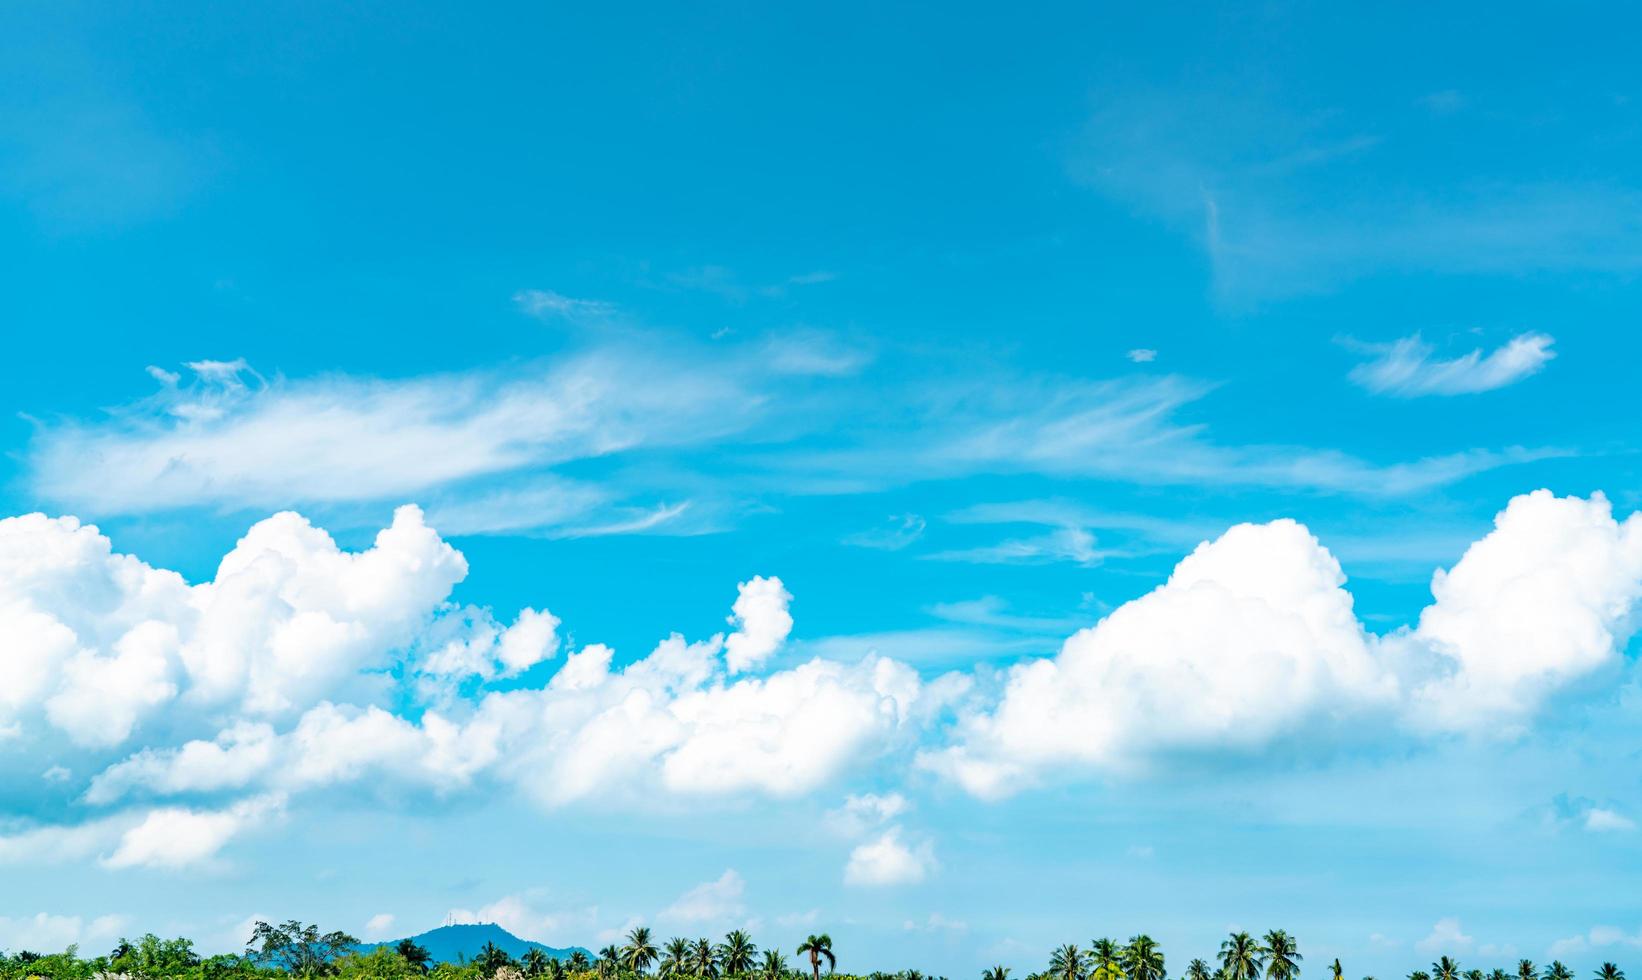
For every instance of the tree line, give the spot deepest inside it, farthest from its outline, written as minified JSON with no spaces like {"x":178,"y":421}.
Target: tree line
{"x":297,"y":950}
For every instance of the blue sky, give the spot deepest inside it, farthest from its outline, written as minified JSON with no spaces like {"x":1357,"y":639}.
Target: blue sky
{"x":878,"y":354}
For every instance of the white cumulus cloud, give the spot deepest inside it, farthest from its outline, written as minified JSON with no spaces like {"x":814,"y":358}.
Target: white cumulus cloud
{"x":1254,"y":638}
{"x":762,"y":623}
{"x":889,"y":860}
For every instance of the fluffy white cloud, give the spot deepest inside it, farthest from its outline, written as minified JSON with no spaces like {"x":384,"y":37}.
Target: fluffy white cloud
{"x":1252,"y":635}
{"x":716,"y":901}
{"x":46,"y":933}
{"x":1445,"y":937}
{"x":173,"y":837}
{"x":1407,"y":369}
{"x":1544,"y":599}
{"x":889,"y":860}
{"x":866,"y":811}
{"x":1603,"y":820}
{"x":762,"y":623}
{"x":99,"y":641}
{"x":1253,"y":638}
{"x":380,"y":926}
{"x":164,"y":837}
{"x":519,"y":915}
{"x":675,"y":719}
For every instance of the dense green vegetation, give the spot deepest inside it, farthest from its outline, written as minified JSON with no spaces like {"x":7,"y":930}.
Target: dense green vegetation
{"x":295,"y":950}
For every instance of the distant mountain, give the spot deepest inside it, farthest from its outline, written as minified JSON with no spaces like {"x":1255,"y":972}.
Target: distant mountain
{"x":450,"y":944}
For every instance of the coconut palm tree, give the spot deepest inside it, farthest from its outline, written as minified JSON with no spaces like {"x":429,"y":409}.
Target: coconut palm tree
{"x":674,"y":957}
{"x":638,"y":952}
{"x":1558,"y":970}
{"x":492,"y":958}
{"x":416,"y":956}
{"x":1198,"y":970}
{"x":1610,"y":972}
{"x":1525,"y":970}
{"x":1474,"y":975}
{"x":818,"y":948}
{"x":774,"y":966}
{"x":1445,"y":969}
{"x":1141,"y":959}
{"x":609,"y":962}
{"x":701,"y":961}
{"x":735,"y":953}
{"x":1105,"y":960}
{"x":1336,"y":972}
{"x":1419,"y":975}
{"x":1068,"y":963}
{"x":579,"y":962}
{"x":1283,"y":956}
{"x":1497,"y":974}
{"x":534,"y":962}
{"x":1241,"y":957}
{"x":995,"y":973}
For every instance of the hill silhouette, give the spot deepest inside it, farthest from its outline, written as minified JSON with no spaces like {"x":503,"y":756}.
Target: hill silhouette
{"x":458,"y":943}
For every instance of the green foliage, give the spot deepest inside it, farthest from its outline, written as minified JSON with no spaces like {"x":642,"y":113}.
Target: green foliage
{"x":295,"y":951}
{"x":300,"y":950}
{"x":380,"y":963}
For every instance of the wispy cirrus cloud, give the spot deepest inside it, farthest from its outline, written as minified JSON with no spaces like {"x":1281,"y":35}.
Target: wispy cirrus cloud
{"x":1407,"y":368}
{"x":545,"y":303}
{"x":1288,"y":199}
{"x":681,"y":438}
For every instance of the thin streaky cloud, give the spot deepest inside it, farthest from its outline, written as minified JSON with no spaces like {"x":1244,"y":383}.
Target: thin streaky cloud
{"x":1408,"y":368}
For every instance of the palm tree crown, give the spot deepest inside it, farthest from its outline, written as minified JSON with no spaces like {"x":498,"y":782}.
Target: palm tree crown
{"x":1142,"y":959}
{"x":1283,"y":956}
{"x":774,"y":966}
{"x":818,"y":948}
{"x":1068,"y":963}
{"x":1241,"y":957}
{"x":638,"y":952}
{"x":735,"y":953}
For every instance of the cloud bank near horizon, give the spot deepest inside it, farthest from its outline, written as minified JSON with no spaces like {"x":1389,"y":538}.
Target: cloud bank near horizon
{"x":300,"y":665}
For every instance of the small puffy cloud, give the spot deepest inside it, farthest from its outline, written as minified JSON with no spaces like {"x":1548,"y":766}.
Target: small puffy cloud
{"x":889,"y":860}
{"x":163,"y":837}
{"x":936,"y":922}
{"x":1597,"y":938}
{"x":1407,"y":369}
{"x":44,"y":932}
{"x":864,"y":812}
{"x":175,"y":837}
{"x":519,"y":915}
{"x":716,"y":901}
{"x":379,"y":926}
{"x":1604,"y":820}
{"x":1142,"y":355}
{"x":761,"y":620}
{"x":1445,"y":937}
